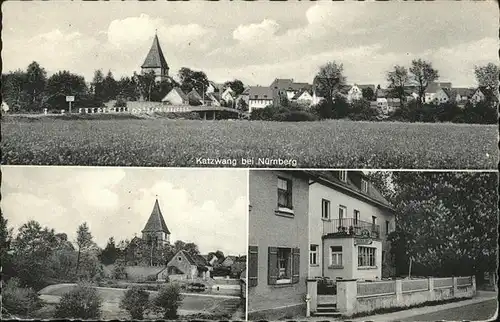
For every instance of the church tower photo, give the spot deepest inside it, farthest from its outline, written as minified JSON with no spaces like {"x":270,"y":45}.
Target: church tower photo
{"x":156,"y":229}
{"x":155,"y":61}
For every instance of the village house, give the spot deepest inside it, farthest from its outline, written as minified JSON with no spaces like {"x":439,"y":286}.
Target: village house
{"x":432,"y":90}
{"x":349,"y":222}
{"x":355,"y":92}
{"x":278,"y":243}
{"x":482,"y":93}
{"x":175,"y":97}
{"x":303,"y":97}
{"x":259,"y":97}
{"x":186,"y":266}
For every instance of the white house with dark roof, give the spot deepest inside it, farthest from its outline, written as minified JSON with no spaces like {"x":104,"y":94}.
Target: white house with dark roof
{"x":259,"y":97}
{"x":303,"y":97}
{"x":155,"y":61}
{"x":349,"y":222}
{"x":186,"y":266}
{"x":175,"y":97}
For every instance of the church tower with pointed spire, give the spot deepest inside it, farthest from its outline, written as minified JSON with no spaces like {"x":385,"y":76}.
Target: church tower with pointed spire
{"x":155,"y":61}
{"x":156,"y":229}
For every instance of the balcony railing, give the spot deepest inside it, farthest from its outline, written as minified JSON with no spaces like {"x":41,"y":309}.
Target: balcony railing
{"x":350,"y":227}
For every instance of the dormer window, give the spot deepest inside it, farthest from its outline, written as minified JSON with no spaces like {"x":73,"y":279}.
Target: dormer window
{"x":364,"y":185}
{"x":343,"y":176}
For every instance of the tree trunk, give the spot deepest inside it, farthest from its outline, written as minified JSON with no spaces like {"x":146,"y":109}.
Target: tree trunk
{"x":78,"y":261}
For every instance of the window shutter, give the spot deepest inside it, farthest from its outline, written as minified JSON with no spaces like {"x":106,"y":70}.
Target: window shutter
{"x":253,"y":265}
{"x":272,"y":266}
{"x":295,"y":265}
{"x":290,"y":200}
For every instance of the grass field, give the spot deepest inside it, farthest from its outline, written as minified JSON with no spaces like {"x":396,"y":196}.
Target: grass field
{"x":325,"y":144}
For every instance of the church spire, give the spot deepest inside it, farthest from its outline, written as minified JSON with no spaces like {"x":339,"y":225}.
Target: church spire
{"x":156,"y":223}
{"x":155,"y":60}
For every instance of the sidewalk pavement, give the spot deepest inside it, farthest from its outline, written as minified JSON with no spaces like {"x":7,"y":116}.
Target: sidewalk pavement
{"x":481,"y":296}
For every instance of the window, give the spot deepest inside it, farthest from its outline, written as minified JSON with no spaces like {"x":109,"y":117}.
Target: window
{"x":313,"y":255}
{"x":343,"y":176}
{"x":284,"y":271}
{"x":325,"y":209}
{"x":364,"y":185}
{"x":284,"y":193}
{"x":336,"y":256}
{"x":283,"y":265}
{"x":366,"y":256}
{"x":387,"y":226}
{"x":374,"y":220}
{"x":356,"y":216}
{"x":342,"y":213}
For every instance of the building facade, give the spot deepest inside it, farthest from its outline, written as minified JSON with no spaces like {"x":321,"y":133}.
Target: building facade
{"x":278,"y":243}
{"x":349,"y":221}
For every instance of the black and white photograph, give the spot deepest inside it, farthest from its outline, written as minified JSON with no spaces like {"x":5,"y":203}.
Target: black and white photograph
{"x":297,"y":84}
{"x":123,"y":243}
{"x":372,"y":246}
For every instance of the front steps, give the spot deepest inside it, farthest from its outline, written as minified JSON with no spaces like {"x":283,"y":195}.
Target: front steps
{"x":327,"y":309}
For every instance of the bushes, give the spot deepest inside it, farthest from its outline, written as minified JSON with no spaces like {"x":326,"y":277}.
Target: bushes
{"x":168,"y":301}
{"x":120,"y":102}
{"x":282,"y":114}
{"x":83,"y":302}
{"x":135,"y":302}
{"x":119,"y":270}
{"x":17,"y":300}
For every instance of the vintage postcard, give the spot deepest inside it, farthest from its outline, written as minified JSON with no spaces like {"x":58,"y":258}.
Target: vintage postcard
{"x":301,"y":84}
{"x":123,"y":243}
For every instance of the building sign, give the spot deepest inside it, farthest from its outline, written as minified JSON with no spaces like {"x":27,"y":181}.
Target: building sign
{"x":363,"y":238}
{"x":70,"y":98}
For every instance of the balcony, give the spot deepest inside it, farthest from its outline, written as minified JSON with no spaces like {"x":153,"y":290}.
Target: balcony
{"x":350,"y":227}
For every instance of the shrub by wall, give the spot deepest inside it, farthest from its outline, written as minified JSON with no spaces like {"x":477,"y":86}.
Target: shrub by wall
{"x":135,"y":302}
{"x":82,"y":302}
{"x":17,"y":300}
{"x":168,"y":301}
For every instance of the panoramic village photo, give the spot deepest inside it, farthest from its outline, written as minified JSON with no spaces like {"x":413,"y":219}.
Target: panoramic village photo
{"x":129,"y":244}
{"x":267,"y":84}
{"x":372,"y":245}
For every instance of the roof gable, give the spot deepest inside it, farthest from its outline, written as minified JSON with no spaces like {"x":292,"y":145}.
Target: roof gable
{"x":156,"y":223}
{"x":155,"y":57}
{"x":260,"y":93}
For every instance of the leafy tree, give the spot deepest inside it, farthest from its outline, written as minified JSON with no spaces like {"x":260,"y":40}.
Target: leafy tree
{"x":361,"y":110}
{"x":13,"y":90}
{"x":422,"y":74}
{"x":135,"y":302}
{"x":63,"y":84}
{"x":242,"y":105}
{"x":329,"y":80}
{"x":190,"y":79}
{"x":110,"y":87}
{"x":484,"y":112}
{"x":446,"y":222}
{"x":5,"y":243}
{"x":487,"y":76}
{"x":110,"y":253}
{"x":83,"y":302}
{"x":146,"y":84}
{"x":398,"y":80}
{"x":97,"y":85}
{"x":168,"y":301}
{"x":340,"y":107}
{"x":236,"y":85}
{"x":83,"y":241}
{"x":119,"y":271}
{"x":220,"y":254}
{"x":36,"y":80}
{"x":128,"y":89}
{"x":33,"y":245}
{"x":368,"y":93}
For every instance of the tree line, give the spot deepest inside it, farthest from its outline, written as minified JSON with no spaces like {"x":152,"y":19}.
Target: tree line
{"x":446,"y":222}
{"x":31,"y":90}
{"x":330,"y":80}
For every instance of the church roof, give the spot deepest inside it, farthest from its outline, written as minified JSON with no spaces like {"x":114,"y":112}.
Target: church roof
{"x":156,"y":222}
{"x":155,"y":57}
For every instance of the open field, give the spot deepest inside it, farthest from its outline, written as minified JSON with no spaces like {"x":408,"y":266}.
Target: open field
{"x":325,"y":144}
{"x":191,"y":303}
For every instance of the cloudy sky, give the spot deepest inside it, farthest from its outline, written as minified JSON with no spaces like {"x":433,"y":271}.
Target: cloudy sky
{"x":205,"y":206}
{"x":254,"y":41}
